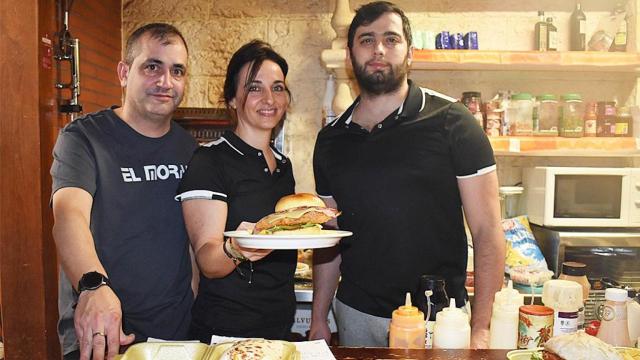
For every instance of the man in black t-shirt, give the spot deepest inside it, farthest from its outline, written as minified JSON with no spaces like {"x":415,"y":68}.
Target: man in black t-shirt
{"x":400,"y":164}
{"x":121,"y":239}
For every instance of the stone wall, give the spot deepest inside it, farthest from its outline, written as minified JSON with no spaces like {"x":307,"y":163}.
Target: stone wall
{"x":300,"y":30}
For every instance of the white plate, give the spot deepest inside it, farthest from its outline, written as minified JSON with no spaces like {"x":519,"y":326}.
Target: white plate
{"x":328,"y":238}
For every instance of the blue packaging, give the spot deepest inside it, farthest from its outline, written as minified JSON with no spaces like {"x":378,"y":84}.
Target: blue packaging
{"x":471,"y":40}
{"x":456,"y":41}
{"x":442,"y":40}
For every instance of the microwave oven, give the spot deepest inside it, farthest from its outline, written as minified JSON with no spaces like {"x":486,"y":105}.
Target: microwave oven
{"x":582,"y":196}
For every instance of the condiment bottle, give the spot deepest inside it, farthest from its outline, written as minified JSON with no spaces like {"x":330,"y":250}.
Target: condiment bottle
{"x":606,"y":119}
{"x":452,"y":330}
{"x":552,"y":35}
{"x":407,"y":328}
{"x":504,"y":318}
{"x":578,"y":27}
{"x":541,"y":31}
{"x":431,"y":299}
{"x":576,"y":272}
{"x":590,"y":120}
{"x":614,"y":329}
{"x":624,"y":121}
{"x":565,"y":298}
{"x":620,"y":40}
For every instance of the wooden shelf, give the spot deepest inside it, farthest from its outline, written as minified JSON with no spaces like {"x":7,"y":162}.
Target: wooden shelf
{"x":559,"y":146}
{"x":526,"y":60}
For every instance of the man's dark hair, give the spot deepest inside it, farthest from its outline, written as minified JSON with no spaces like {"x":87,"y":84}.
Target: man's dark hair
{"x":159,"y":31}
{"x":255,"y":53}
{"x":370,"y":12}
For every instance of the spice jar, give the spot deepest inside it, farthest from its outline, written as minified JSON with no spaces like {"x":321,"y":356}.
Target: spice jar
{"x":624,"y":122}
{"x":571,"y":121}
{"x":547,"y":116}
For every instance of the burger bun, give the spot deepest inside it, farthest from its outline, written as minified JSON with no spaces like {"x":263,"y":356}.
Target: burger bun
{"x":298,"y":200}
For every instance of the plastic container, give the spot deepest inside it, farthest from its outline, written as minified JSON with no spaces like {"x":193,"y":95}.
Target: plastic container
{"x":431,"y":299}
{"x":547,"y":116}
{"x":614,"y":329}
{"x":452,"y":329}
{"x":571,"y":116}
{"x":520,"y":114}
{"x":407,"y":327}
{"x":535,"y":326}
{"x":576,"y":272}
{"x":503,"y":332}
{"x":565,"y":298}
{"x":510,"y":201}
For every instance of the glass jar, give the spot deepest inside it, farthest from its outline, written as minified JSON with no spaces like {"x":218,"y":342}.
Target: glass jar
{"x":547,"y":116}
{"x":473,"y":101}
{"x":624,"y":121}
{"x":571,"y":121}
{"x":606,"y":122}
{"x":521,"y":114}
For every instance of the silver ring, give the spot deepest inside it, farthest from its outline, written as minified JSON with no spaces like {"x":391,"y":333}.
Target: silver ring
{"x":98,"y":333}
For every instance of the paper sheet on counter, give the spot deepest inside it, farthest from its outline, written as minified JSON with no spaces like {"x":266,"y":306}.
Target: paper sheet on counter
{"x":309,"y":350}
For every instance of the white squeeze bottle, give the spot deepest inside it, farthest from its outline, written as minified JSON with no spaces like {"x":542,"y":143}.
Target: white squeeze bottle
{"x":504,"y":318}
{"x":452,"y":329}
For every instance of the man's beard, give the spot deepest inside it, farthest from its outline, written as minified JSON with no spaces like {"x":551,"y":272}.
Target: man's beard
{"x":380,"y":82}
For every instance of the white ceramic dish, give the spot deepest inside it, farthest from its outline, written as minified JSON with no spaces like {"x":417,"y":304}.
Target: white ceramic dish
{"x":327,"y":238}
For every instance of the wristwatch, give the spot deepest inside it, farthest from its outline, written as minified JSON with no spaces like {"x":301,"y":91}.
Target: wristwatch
{"x":91,"y":281}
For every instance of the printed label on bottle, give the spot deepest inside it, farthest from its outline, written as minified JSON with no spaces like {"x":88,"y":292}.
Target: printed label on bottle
{"x":553,"y":40}
{"x":582,"y":26}
{"x":565,"y":322}
{"x":428,"y":340}
{"x":590,"y":127}
{"x":622,"y":129}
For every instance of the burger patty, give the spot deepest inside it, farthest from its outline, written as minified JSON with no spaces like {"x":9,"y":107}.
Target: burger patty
{"x":297,"y":216}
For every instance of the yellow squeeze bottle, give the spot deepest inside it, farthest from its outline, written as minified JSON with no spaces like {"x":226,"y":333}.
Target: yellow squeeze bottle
{"x":407,"y":329}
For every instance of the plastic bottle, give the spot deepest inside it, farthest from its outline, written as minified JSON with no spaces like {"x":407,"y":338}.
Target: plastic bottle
{"x":614,"y":329}
{"x":576,"y":272}
{"x":565,"y":298}
{"x":541,"y":31}
{"x":407,"y":328}
{"x":452,"y":329}
{"x":431,"y":299}
{"x":504,"y":318}
{"x":578,"y":25}
{"x":552,"y":35}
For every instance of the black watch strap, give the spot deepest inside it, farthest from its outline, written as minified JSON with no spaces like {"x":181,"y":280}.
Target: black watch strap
{"x":91,"y":281}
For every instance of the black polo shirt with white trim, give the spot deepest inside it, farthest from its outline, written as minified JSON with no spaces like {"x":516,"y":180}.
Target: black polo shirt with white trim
{"x":232,"y":171}
{"x":397,"y":189}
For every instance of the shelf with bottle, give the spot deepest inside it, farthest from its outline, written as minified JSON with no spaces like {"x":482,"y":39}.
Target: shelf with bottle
{"x":560,"y":146}
{"x":593,"y":61}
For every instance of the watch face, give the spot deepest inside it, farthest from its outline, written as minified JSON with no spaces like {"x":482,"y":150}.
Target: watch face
{"x":91,"y":280}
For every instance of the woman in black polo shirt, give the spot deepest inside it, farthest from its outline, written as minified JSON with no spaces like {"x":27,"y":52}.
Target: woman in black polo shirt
{"x":239,"y":177}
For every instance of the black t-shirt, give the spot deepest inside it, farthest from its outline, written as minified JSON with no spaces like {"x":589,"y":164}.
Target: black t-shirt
{"x":397,"y":189}
{"x":137,"y":226}
{"x":230,"y":170}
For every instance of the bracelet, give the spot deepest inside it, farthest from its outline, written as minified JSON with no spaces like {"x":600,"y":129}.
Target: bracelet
{"x":232,"y":253}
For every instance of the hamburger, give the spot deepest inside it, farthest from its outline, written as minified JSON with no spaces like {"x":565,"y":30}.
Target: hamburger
{"x":578,"y":346}
{"x":257,"y":349}
{"x":296,"y":214}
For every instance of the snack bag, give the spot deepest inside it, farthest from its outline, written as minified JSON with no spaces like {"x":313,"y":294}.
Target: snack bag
{"x":524,"y":261}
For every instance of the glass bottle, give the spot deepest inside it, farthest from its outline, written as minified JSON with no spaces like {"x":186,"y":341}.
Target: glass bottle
{"x":541,"y":31}
{"x":552,"y":35}
{"x":590,"y":119}
{"x":620,"y":40}
{"x":624,"y":122}
{"x":431,"y":299}
{"x":578,"y":30}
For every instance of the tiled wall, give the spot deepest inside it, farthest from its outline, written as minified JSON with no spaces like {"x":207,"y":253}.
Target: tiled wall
{"x":300,"y":30}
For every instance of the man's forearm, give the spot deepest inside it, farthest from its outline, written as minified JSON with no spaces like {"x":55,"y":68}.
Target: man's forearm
{"x":326,"y":272}
{"x":488,"y":275}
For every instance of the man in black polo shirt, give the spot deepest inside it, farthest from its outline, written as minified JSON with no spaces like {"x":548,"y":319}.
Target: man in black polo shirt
{"x":400,"y":164}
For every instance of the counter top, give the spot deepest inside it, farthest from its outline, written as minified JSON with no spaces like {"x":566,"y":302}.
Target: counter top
{"x":348,"y":353}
